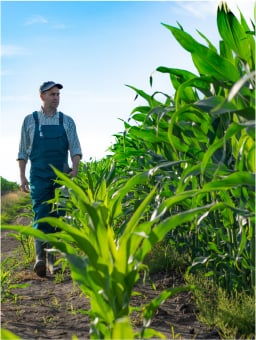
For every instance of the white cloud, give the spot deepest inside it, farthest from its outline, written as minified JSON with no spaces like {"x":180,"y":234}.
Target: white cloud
{"x":40,"y":20}
{"x":202,"y":9}
{"x":13,"y":50}
{"x":199,"y":9}
{"x":36,"y":19}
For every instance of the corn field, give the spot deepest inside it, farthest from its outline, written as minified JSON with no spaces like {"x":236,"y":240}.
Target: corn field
{"x":183,"y":170}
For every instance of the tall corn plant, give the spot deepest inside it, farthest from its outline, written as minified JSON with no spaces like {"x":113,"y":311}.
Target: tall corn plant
{"x":207,"y":128}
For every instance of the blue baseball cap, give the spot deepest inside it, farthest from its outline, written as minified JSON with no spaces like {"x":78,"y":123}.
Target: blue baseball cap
{"x":48,"y":85}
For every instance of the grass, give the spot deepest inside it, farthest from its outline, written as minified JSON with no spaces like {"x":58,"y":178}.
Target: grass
{"x":9,"y":275}
{"x":164,"y":258}
{"x":233,"y":316}
{"x":13,"y":204}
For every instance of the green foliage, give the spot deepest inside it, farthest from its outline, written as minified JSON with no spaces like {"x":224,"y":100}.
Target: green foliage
{"x":105,"y":266}
{"x":183,"y":171}
{"x":232,"y":315}
{"x":7,"y":185}
{"x":7,"y":270}
{"x":8,"y":335}
{"x":164,"y":258}
{"x":15,"y":204}
{"x":202,"y":141}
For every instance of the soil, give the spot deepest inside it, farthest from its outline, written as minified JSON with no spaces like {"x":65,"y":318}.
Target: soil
{"x":46,"y":309}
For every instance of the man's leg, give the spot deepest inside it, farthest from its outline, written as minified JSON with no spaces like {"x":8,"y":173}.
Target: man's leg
{"x":41,"y":194}
{"x":40,"y":264}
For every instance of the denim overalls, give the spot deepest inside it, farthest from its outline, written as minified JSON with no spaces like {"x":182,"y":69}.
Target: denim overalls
{"x":50,"y":147}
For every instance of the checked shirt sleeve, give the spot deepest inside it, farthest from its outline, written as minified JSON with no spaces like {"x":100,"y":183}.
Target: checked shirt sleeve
{"x":73,"y":140}
{"x":26,"y":138}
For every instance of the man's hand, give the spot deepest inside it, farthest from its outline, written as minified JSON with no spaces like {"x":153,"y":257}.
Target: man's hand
{"x":75,"y":161}
{"x":24,"y":185}
{"x":73,"y":173}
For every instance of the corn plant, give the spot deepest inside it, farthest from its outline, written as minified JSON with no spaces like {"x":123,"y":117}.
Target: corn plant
{"x":205,"y":133}
{"x":106,"y":265}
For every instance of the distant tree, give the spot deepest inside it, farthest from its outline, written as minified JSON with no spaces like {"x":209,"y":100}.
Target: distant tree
{"x":8,"y":186}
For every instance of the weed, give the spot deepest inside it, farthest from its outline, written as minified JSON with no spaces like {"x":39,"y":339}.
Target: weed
{"x":55,"y":302}
{"x":61,"y":266}
{"x":59,"y":277}
{"x":27,"y":245}
{"x":175,"y":336}
{"x":72,"y":309}
{"x":165,"y":258}
{"x":232,"y":315}
{"x":8,"y":266}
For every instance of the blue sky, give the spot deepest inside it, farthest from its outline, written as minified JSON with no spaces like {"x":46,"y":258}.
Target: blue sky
{"x":93,"y":48}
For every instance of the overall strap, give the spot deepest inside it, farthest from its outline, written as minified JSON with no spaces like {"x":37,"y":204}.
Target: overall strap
{"x":35,"y":116}
{"x":60,"y":118}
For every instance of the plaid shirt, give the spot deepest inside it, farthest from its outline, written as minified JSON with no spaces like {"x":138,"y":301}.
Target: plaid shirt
{"x":28,"y":130}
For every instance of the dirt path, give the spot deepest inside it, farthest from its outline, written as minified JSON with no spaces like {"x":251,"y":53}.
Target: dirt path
{"x":49,"y":310}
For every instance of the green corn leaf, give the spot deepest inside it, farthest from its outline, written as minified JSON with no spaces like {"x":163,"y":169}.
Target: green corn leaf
{"x":124,"y":249}
{"x":251,"y":40}
{"x":139,"y":117}
{"x":233,"y":33}
{"x":139,"y":178}
{"x":172,"y":222}
{"x":150,"y":333}
{"x":240,"y":178}
{"x":210,"y":45}
{"x":232,"y":130}
{"x":8,"y":335}
{"x":122,"y":329}
{"x":225,"y":51}
{"x":53,"y":238}
{"x":148,"y":134}
{"x":150,"y":309}
{"x":206,"y":60}
{"x":251,"y":161}
{"x":69,"y":183}
{"x":141,"y":109}
{"x":85,"y":243}
{"x":216,"y":105}
{"x":202,"y":84}
{"x":180,"y":75}
{"x":211,"y":64}
{"x":141,"y":233}
{"x":144,"y":95}
{"x":240,"y":83}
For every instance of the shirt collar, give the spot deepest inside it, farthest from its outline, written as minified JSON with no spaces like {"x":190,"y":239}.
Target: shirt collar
{"x":41,"y":111}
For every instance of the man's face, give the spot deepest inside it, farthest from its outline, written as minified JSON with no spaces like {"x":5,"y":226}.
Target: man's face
{"x":51,"y":98}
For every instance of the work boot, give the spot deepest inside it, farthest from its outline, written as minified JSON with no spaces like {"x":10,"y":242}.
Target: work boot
{"x":40,"y":265}
{"x":50,"y":260}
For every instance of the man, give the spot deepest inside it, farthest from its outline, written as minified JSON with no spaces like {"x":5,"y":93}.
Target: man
{"x":46,"y":137}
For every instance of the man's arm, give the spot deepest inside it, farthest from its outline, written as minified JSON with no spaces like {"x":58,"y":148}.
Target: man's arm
{"x":75,"y":162}
{"x":74,"y":145}
{"x":24,"y":184}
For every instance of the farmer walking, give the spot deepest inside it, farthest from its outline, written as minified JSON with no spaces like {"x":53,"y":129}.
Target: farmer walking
{"x":46,"y":137}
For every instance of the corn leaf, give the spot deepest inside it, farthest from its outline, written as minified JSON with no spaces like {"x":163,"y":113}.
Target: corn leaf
{"x":233,"y":33}
{"x":206,"y":60}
